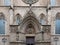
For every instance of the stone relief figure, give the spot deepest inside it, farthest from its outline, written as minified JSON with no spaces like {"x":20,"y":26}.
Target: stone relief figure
{"x":30,"y":29}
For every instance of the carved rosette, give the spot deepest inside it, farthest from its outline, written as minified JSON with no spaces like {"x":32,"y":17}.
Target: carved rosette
{"x":30,"y":1}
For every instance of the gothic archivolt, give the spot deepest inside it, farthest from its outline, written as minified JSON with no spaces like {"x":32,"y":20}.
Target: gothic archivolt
{"x":30,"y":18}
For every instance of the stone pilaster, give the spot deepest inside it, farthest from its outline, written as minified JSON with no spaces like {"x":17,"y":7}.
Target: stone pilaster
{"x":11,"y":16}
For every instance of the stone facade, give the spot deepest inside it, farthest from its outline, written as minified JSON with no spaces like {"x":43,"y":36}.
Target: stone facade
{"x":30,"y":24}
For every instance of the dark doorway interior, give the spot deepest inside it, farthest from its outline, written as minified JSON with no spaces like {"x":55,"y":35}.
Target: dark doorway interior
{"x":30,"y":40}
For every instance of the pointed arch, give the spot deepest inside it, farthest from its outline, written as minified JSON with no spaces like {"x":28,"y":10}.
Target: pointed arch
{"x":2,"y":16}
{"x":2,"y":23}
{"x":30,"y":19}
{"x":18,"y":18}
{"x":30,"y":13}
{"x":57,"y":23}
{"x":42,"y":19}
{"x":58,"y":15}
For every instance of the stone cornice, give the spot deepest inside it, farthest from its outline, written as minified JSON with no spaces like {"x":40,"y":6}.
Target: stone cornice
{"x":33,"y":6}
{"x":27,"y":6}
{"x":2,"y":35}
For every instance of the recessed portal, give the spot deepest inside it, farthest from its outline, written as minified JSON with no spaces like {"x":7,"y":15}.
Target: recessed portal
{"x":30,"y":40}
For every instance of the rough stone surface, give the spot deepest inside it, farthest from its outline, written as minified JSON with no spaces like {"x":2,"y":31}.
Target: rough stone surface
{"x":26,"y":18}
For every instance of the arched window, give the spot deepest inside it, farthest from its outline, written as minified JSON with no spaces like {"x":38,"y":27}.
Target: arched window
{"x":2,"y":24}
{"x":42,"y":19}
{"x":18,"y":19}
{"x":7,"y":2}
{"x":53,"y":2}
{"x":58,"y":23}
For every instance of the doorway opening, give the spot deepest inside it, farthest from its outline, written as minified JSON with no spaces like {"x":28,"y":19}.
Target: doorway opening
{"x":30,"y":40}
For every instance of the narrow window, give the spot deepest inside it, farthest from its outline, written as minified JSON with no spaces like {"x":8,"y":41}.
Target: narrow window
{"x":53,"y":2}
{"x":18,"y":19}
{"x":2,"y":26}
{"x":7,"y":2}
{"x":42,"y":19}
{"x":57,"y":24}
{"x":2,"y":23}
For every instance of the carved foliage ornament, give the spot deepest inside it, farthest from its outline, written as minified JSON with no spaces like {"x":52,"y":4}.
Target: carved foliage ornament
{"x":30,"y":1}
